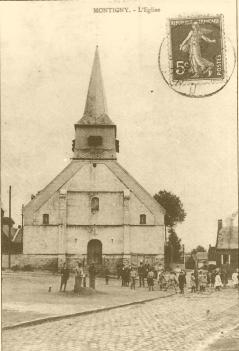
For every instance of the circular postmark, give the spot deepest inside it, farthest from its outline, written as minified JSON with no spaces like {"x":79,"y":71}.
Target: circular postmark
{"x":196,"y":59}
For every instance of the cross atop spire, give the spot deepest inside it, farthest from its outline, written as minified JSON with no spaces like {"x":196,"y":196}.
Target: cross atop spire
{"x":96,"y":107}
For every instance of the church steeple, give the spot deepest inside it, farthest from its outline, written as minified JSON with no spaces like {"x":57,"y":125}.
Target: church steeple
{"x":95,"y":132}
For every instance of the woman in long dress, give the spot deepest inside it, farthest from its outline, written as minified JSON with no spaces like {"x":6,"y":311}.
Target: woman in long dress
{"x":218,"y":282}
{"x":78,"y":278}
{"x":191,"y":44}
{"x":235,"y":278}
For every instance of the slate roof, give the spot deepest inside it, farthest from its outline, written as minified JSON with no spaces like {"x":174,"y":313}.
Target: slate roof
{"x":227,"y":238}
{"x":95,"y":112}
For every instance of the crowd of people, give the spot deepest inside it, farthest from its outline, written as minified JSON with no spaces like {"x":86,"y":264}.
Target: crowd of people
{"x":129,"y":274}
{"x":146,"y":275}
{"x":175,"y":279}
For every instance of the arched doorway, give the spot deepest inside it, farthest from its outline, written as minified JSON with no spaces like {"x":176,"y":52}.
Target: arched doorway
{"x":94,"y":251}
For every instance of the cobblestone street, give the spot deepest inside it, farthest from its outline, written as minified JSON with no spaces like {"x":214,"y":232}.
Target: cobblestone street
{"x":175,"y":323}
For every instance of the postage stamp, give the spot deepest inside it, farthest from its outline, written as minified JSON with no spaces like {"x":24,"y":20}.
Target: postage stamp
{"x":196,"y":50}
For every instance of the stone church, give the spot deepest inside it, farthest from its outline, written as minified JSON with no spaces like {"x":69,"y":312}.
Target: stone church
{"x":94,"y":210}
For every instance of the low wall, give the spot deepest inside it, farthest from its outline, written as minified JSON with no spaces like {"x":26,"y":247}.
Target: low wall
{"x":55,"y":262}
{"x":48,"y":262}
{"x":111,"y":261}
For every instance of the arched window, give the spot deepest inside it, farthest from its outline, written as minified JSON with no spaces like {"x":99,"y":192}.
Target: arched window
{"x":94,"y":204}
{"x":142,"y":219}
{"x":45,"y":218}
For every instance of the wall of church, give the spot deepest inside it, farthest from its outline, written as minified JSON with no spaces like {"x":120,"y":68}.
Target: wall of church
{"x":79,"y":211}
{"x":117,"y":207}
{"x":40,"y":240}
{"x":50,"y":207}
{"x":79,"y":236}
{"x":136,"y":208}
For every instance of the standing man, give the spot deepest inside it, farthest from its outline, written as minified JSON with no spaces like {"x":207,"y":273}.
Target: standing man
{"x":119,"y":267}
{"x":141,"y":272}
{"x":65,"y":273}
{"x":127,"y":275}
{"x":107,"y":275}
{"x":133,"y":275}
{"x":92,"y":274}
{"x":123,"y":276}
{"x":181,"y":282}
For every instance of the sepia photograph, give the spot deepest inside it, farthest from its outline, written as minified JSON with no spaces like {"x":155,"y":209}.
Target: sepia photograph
{"x":119,"y":175}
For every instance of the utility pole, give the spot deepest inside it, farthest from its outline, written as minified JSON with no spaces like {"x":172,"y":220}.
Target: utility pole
{"x":22,"y":217}
{"x":22,"y":227}
{"x":184,"y":256}
{"x":196,"y":268}
{"x":165,"y":247}
{"x":9,"y":227}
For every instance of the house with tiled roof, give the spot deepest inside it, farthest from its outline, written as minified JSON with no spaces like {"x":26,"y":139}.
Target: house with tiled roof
{"x":94,"y":210}
{"x":226,"y":249}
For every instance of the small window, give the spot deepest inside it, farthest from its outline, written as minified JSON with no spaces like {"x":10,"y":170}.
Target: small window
{"x":142,"y":219}
{"x":94,"y":204}
{"x":95,"y":140}
{"x":225,"y":258}
{"x":46,"y":218}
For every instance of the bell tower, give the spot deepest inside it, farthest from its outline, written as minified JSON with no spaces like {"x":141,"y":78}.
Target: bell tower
{"x":95,"y":133}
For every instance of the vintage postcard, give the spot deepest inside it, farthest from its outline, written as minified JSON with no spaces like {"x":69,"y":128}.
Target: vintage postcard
{"x":119,"y":179}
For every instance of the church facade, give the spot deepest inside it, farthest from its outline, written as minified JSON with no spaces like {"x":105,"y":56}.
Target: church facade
{"x":94,"y":210}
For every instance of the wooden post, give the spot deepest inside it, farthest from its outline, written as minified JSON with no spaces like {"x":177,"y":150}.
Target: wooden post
{"x":171,"y":254}
{"x":184,"y":256}
{"x":22,"y":217}
{"x":165,"y":247}
{"x":9,"y":228}
{"x":196,"y":269}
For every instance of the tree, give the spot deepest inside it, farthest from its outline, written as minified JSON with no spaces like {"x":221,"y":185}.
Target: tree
{"x":175,"y":213}
{"x":174,"y":244}
{"x":199,"y":248}
{"x":174,"y":208}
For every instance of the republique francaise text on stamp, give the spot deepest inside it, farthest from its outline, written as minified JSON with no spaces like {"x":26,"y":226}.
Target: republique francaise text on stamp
{"x":196,"y":49}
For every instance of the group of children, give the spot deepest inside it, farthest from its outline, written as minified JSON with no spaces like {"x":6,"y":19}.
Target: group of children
{"x":129,"y":274}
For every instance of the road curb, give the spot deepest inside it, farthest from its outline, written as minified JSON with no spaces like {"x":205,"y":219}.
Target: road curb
{"x":77,"y":314}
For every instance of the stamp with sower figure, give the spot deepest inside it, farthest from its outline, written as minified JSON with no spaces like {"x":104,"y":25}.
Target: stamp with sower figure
{"x":196,"y":49}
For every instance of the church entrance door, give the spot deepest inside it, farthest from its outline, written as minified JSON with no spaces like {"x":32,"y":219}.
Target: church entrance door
{"x":94,"y":252}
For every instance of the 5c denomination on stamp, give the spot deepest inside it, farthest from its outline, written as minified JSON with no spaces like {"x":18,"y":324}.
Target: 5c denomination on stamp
{"x":196,"y":48}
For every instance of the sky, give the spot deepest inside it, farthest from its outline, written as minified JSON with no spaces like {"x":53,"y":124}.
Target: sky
{"x":167,"y":141}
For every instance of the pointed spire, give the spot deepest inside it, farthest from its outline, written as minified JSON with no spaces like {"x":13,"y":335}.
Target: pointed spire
{"x":95,"y":107}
